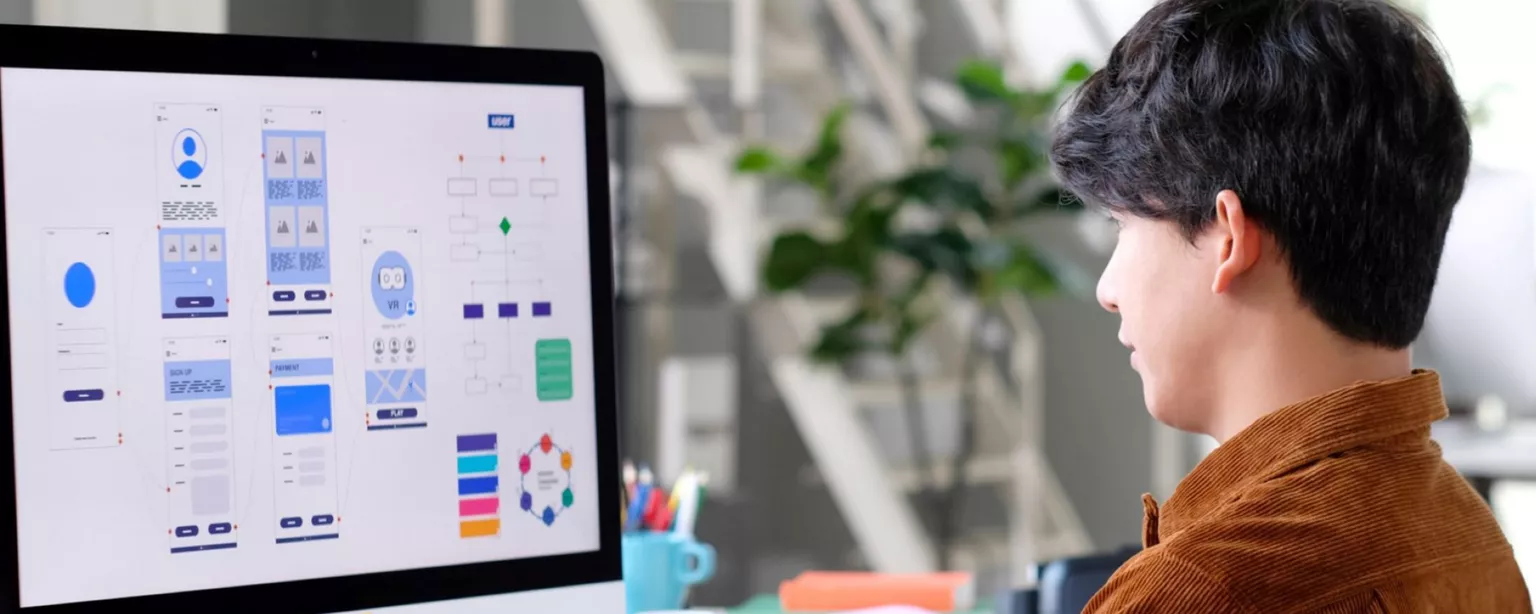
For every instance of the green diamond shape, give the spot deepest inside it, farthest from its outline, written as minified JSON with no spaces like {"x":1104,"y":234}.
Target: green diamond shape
{"x":566,"y":498}
{"x":505,"y":226}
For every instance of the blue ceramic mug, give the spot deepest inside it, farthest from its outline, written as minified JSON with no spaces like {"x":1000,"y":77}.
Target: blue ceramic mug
{"x":659,"y":568}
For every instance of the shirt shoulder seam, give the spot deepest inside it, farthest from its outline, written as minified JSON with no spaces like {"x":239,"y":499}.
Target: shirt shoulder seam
{"x":1233,"y":596}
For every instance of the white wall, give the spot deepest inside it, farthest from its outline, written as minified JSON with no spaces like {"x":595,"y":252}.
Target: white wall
{"x":1492,"y":60}
{"x":184,"y":15}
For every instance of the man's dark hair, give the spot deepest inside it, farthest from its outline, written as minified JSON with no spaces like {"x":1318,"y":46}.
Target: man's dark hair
{"x":1334,"y":121}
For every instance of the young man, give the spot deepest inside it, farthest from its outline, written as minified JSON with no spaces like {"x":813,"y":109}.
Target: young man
{"x":1283,"y":174}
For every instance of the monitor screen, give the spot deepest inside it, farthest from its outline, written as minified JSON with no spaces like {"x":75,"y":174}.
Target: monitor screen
{"x":266,"y":329}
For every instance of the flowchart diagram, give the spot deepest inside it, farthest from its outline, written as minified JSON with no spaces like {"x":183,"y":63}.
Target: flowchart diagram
{"x":497,"y":237}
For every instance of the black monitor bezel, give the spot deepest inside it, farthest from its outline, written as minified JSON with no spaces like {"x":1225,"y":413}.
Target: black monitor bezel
{"x":160,"y":52}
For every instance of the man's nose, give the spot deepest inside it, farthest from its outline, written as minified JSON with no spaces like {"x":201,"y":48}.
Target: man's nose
{"x":1106,"y":295}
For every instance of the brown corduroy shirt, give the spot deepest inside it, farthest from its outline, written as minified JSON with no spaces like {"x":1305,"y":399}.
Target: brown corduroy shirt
{"x":1337,"y":504}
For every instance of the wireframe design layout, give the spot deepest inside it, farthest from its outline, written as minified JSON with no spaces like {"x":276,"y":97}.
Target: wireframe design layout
{"x":298,"y":220}
{"x":199,"y":448}
{"x":194,"y":277}
{"x":293,"y":328}
{"x":395,"y":381}
{"x":304,"y":451}
{"x":82,"y":350}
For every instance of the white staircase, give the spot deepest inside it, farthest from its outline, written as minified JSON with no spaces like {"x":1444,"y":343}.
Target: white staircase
{"x":846,"y":421}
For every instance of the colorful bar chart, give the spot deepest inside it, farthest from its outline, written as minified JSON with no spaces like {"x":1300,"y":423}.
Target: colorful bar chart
{"x":479,"y":486}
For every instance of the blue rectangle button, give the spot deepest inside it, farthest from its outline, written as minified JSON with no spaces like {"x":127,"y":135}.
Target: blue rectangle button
{"x":398,"y":413}
{"x":499,"y":121}
{"x":76,"y":396}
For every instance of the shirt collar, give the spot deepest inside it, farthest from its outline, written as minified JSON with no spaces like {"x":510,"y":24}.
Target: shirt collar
{"x":1332,"y":422}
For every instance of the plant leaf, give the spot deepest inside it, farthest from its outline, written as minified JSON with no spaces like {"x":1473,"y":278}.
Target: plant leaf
{"x":843,"y":339}
{"x":1027,"y":273}
{"x":939,"y":187}
{"x":817,"y":169}
{"x":1016,"y":159}
{"x":1078,"y":72}
{"x":866,"y":229}
{"x":983,"y":81}
{"x":945,"y":141}
{"x":758,"y":160}
{"x":793,"y":259}
{"x":946,"y":251}
{"x":909,"y":324}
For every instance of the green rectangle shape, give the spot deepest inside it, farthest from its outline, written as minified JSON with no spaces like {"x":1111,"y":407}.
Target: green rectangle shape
{"x":477,"y":464}
{"x":552,"y":348}
{"x":552,"y":369}
{"x":548,"y":378}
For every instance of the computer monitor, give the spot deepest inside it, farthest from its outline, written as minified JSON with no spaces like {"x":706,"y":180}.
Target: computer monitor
{"x":303,"y":326}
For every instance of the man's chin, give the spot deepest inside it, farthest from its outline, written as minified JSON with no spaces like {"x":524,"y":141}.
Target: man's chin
{"x":1161,"y":408}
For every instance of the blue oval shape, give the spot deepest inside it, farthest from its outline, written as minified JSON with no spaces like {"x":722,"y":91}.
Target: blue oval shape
{"x":79,"y":285}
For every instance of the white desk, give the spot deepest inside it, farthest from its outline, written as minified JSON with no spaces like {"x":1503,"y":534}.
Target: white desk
{"x":1485,"y":457}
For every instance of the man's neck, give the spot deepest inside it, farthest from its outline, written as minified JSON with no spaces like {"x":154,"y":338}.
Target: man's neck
{"x":1288,"y":362}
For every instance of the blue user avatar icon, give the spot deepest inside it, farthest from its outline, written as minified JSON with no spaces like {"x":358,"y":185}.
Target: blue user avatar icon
{"x":394,"y":286}
{"x":79,"y":285}
{"x":189,"y":154}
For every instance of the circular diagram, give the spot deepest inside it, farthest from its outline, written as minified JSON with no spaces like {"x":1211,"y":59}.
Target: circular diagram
{"x":189,"y":154}
{"x":394,"y":292}
{"x":79,"y":285}
{"x":546,"y":480}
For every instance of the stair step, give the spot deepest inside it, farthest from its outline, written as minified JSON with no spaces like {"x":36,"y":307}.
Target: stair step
{"x":979,"y":471}
{"x":883,"y":394}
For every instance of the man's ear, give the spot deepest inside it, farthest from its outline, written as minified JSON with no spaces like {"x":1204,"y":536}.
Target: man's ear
{"x":1240,"y":241}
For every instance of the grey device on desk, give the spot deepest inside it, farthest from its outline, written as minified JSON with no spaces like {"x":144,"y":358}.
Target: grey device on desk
{"x":1065,"y":585}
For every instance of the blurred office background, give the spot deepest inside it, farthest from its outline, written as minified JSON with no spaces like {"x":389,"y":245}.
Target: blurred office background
{"x":813,"y":467}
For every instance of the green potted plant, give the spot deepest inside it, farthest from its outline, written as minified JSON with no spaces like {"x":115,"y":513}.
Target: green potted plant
{"x":968,"y":232}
